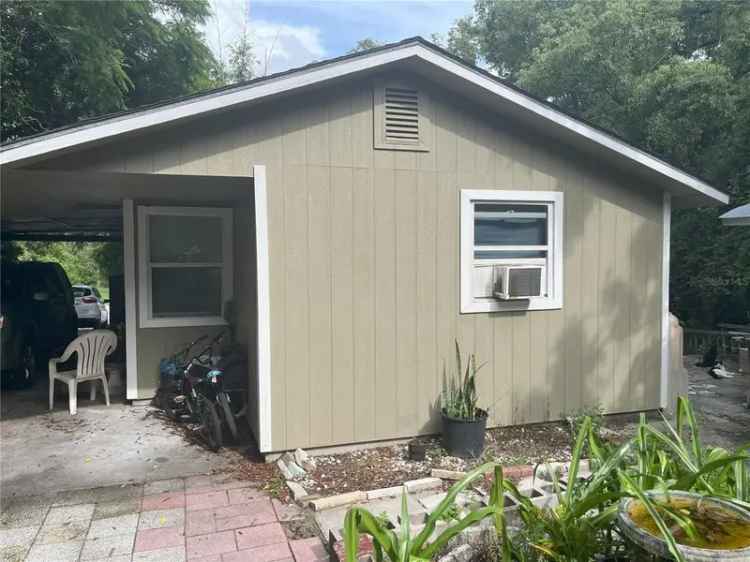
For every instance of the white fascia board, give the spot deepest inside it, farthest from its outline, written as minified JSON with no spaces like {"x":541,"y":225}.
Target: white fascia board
{"x":573,"y":125}
{"x":211,"y":102}
{"x":303,"y":78}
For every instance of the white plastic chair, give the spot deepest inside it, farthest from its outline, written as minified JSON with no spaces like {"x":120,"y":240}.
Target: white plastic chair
{"x":92,"y":348}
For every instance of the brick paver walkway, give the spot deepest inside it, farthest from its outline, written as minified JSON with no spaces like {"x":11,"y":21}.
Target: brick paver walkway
{"x":201,"y":519}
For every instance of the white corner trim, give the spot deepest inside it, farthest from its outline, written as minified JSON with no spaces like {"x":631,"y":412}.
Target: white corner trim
{"x":665,"y":323}
{"x":264,"y":309}
{"x":131,"y":314}
{"x":117,"y":125}
{"x":468,"y":304}
{"x":146,"y":319}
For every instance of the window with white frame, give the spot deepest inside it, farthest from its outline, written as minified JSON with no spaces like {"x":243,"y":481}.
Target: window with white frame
{"x":185,"y":265}
{"x":511,"y":250}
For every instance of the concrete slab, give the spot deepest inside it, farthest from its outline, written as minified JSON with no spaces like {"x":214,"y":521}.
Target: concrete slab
{"x":392,"y":507}
{"x":66,"y":532}
{"x":63,"y":552}
{"x":47,"y":452}
{"x":23,"y":511}
{"x":65,"y":514}
{"x":112,"y":526}
{"x":115,"y":508}
{"x":108,"y":547}
{"x":249,"y":529}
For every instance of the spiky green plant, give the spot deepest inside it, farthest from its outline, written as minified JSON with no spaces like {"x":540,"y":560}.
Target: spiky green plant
{"x":459,"y":396}
{"x":578,"y":527}
{"x":398,"y":545}
{"x":676,"y":459}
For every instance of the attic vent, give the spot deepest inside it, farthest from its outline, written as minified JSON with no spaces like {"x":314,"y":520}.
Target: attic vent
{"x":401,"y":117}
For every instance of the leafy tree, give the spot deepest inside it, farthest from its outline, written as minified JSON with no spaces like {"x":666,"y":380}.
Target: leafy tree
{"x":671,"y":76}
{"x":64,"y":61}
{"x":242,"y":59}
{"x":365,"y":45}
{"x":85,"y":262}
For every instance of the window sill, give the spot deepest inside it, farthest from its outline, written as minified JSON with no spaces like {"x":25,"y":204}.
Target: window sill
{"x":183,"y":322}
{"x":492,"y":305}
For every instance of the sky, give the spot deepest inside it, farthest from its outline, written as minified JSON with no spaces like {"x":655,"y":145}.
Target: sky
{"x":288,"y":34}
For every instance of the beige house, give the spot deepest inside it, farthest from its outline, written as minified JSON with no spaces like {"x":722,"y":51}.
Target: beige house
{"x":361,"y":214}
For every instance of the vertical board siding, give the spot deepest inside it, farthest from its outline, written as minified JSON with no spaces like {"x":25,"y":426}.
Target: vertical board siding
{"x":386,"y":382}
{"x":342,"y":304}
{"x":318,"y":292}
{"x":363,"y":291}
{"x":364,"y":257}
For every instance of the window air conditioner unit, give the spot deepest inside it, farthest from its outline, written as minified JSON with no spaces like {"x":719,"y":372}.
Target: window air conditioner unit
{"x":516,"y":282}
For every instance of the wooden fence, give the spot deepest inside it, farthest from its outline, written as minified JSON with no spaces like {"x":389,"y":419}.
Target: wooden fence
{"x":727,"y":341}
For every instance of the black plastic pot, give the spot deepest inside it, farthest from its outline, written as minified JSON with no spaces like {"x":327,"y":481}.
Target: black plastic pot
{"x":464,"y":438}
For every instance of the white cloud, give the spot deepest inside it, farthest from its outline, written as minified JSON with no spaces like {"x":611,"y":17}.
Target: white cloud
{"x":277,"y":46}
{"x":281,"y":46}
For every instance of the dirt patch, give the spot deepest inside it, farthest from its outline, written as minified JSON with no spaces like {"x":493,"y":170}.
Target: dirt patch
{"x":383,"y":467}
{"x":303,"y":527}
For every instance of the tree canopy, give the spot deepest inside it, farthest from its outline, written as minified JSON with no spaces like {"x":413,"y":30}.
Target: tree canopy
{"x":670,"y":76}
{"x":64,"y":61}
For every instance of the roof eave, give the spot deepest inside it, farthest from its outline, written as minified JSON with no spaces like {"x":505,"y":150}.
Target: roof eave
{"x":87,"y":135}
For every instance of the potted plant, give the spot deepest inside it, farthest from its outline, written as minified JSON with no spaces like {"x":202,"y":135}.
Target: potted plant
{"x":463,"y":422}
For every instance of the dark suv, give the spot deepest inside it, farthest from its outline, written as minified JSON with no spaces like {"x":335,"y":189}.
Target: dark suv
{"x":37,"y":318}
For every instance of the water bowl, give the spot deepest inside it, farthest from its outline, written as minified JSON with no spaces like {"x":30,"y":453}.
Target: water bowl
{"x":723,"y":529}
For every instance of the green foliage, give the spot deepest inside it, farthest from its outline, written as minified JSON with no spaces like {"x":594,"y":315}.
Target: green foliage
{"x":581,"y":524}
{"x":459,"y":395}
{"x":64,"y":61}
{"x":576,"y":419}
{"x":399,"y":546}
{"x":89,"y":263}
{"x":671,"y":76}
{"x":676,"y":459}
{"x":365,"y":45}
{"x":242,"y":59}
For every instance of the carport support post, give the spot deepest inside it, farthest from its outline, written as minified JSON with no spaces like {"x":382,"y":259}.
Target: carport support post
{"x":665,"y":323}
{"x":264,"y":308}
{"x":131,"y":350}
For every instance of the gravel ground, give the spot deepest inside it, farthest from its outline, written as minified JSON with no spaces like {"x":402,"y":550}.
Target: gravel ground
{"x":384,"y":467}
{"x":719,"y":406}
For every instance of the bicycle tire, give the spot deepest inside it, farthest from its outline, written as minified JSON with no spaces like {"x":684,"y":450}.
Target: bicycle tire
{"x":228,"y":414}
{"x":211,"y":425}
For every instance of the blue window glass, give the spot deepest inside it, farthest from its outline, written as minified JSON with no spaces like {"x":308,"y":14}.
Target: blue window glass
{"x":500,"y":224}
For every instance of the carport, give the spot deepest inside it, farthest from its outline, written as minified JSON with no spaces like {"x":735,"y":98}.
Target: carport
{"x":65,"y":205}
{"x":140,"y":209}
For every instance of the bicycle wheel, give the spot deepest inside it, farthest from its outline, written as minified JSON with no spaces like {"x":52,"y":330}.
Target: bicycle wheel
{"x":226,"y":406}
{"x":210,"y":424}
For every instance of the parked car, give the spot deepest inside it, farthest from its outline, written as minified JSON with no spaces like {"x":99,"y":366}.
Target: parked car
{"x":37,"y":318}
{"x":90,"y":308}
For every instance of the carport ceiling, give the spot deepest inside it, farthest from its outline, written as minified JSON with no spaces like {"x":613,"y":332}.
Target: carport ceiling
{"x":81,"y":223}
{"x":87,"y":206}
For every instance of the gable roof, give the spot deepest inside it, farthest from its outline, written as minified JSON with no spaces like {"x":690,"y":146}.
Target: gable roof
{"x":109,"y":127}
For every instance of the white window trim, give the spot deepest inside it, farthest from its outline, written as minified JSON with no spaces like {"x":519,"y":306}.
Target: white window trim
{"x":555,"y":299}
{"x":144,"y":268}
